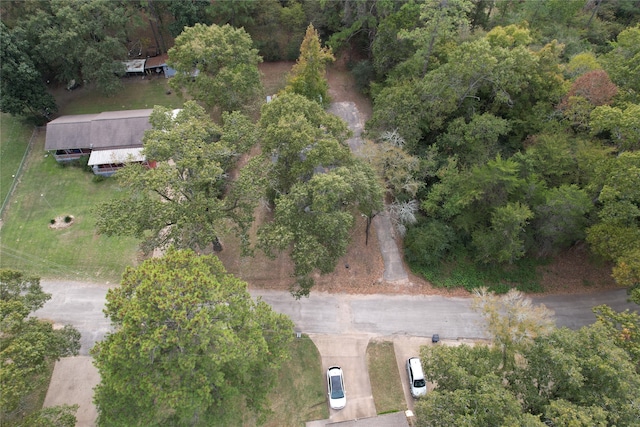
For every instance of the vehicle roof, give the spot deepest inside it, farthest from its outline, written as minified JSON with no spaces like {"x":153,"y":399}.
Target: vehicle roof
{"x":416,"y":366}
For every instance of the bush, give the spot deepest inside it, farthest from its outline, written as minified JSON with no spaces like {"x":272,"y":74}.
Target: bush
{"x":269,"y":50}
{"x":428,"y":243}
{"x":52,"y":221}
{"x":363,"y":73}
{"x":67,"y":219}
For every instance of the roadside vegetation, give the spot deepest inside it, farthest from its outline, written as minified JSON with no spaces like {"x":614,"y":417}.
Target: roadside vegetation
{"x":386,"y":384}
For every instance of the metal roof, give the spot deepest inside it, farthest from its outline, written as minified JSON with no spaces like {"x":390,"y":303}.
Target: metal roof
{"x":135,"y":65}
{"x":110,"y":129}
{"x":117,"y":156}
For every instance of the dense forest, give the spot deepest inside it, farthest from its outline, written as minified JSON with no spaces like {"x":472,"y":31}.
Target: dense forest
{"x":505,"y":131}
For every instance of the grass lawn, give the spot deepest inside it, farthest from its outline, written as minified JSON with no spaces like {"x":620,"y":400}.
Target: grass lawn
{"x":385,"y":380}
{"x":299,"y":395}
{"x":137,"y":94}
{"x":46,"y":191}
{"x":14,"y":139}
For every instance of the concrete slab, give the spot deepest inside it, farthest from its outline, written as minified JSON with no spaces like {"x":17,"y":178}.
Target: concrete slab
{"x":72,"y":383}
{"x":348,"y":352}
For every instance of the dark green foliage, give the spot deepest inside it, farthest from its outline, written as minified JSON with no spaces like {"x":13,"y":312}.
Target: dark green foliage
{"x":27,"y":345}
{"x":22,"y":89}
{"x":429,"y":243}
{"x":189,"y":347}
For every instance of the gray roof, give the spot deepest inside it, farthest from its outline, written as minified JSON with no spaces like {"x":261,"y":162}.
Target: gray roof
{"x":110,"y":129}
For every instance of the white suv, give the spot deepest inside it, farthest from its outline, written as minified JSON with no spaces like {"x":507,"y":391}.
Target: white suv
{"x":417,"y":383}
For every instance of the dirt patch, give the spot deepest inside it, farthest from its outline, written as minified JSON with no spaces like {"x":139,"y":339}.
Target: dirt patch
{"x":62,"y":221}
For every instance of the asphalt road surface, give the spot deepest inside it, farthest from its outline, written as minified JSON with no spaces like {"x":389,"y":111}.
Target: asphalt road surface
{"x":81,"y":304}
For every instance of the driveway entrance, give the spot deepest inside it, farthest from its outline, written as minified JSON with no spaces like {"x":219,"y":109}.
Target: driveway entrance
{"x":350,"y":353}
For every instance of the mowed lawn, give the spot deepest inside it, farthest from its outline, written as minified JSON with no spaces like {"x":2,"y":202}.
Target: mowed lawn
{"x":45,"y":191}
{"x":385,"y":380}
{"x":137,"y":93}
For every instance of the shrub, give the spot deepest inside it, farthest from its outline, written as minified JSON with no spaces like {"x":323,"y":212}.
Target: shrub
{"x":429,"y":243}
{"x":67,"y":219}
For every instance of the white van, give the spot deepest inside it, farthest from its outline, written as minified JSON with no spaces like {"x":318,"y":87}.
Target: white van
{"x":417,"y":383}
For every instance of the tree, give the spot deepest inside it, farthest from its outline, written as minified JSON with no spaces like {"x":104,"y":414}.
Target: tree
{"x":190,"y":345}
{"x":187,"y":13}
{"x":503,"y":241}
{"x":298,"y":136}
{"x":469,"y":390}
{"x":441,"y":20}
{"x":512,"y":321}
{"x":563,"y":377}
{"x":476,"y":141}
{"x":623,"y":63}
{"x":82,"y":41}
{"x":307,"y":76}
{"x":217,"y":65}
{"x":622,"y":124}
{"x":624,"y":328}
{"x":562,"y":219}
{"x":21,"y":87}
{"x":583,"y":367}
{"x":27,"y":345}
{"x":187,"y":200}
{"x":595,"y":86}
{"x":315,"y":218}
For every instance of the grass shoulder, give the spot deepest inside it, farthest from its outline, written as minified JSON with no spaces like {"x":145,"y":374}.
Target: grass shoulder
{"x":385,"y":379}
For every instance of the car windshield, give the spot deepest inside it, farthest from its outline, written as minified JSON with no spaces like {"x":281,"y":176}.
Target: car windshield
{"x":336,"y":388}
{"x":418,"y":383}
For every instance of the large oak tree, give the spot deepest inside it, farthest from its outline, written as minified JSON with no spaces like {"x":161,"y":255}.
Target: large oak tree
{"x":190,"y":347}
{"x":217,"y":65}
{"x":188,"y":200}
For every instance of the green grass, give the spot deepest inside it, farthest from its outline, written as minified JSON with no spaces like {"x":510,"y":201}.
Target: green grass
{"x":522,"y":275}
{"x":299,"y":394}
{"x":14,"y":140}
{"x":136,"y":94}
{"x":385,"y":378}
{"x":46,"y":191}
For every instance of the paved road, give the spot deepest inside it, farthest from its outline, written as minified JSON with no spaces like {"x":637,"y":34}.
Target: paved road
{"x":81,"y":305}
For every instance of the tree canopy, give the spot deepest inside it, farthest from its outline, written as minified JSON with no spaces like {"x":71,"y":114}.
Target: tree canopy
{"x":307,"y":76}
{"x":188,"y":199}
{"x":22,"y":89}
{"x":190,"y":346}
{"x":217,"y":65}
{"x":315,"y":184}
{"x":552,"y":377}
{"x":27,"y":347}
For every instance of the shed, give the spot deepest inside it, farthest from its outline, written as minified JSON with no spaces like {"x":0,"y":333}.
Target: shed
{"x":158,"y":65}
{"x":107,"y":162}
{"x":134,"y":66}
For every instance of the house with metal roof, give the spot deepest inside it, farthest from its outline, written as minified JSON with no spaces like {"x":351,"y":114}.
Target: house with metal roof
{"x":110,"y":139}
